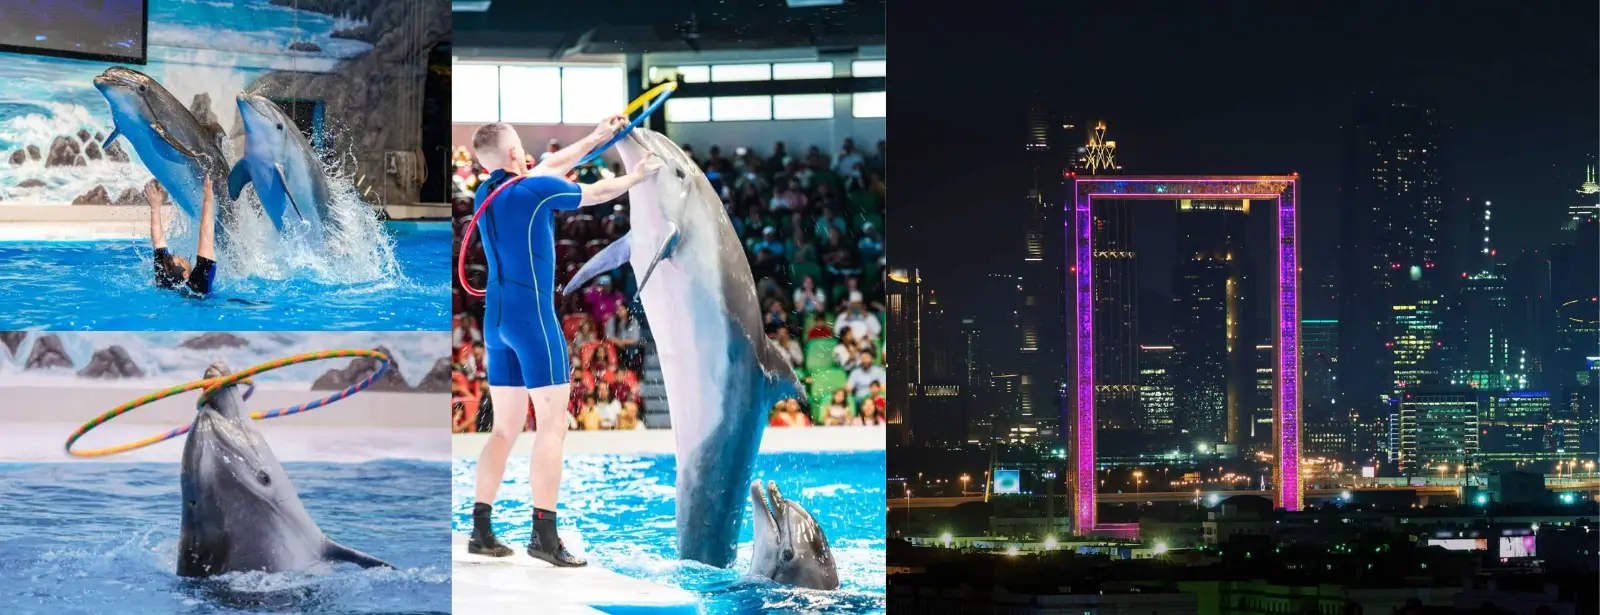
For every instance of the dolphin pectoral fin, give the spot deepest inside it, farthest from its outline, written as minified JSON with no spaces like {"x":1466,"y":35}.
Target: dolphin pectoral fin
{"x":287,"y":192}
{"x":237,"y":178}
{"x":173,"y":142}
{"x":115,"y":131}
{"x":667,"y":245}
{"x":612,"y":257}
{"x":340,"y":553}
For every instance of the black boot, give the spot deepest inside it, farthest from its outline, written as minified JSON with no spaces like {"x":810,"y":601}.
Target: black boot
{"x":483,"y":541}
{"x":546,"y":545}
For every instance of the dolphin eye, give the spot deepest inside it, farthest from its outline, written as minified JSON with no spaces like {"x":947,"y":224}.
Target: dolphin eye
{"x":262,"y":476}
{"x":280,"y":125}
{"x":788,"y":555}
{"x":141,"y":87}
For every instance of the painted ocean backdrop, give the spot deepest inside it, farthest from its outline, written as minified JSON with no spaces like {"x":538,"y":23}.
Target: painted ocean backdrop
{"x":159,"y":358}
{"x":203,"y":51}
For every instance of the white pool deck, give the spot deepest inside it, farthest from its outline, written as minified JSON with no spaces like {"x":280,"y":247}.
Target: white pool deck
{"x":659,"y":441}
{"x":65,"y":222}
{"x":521,"y":584}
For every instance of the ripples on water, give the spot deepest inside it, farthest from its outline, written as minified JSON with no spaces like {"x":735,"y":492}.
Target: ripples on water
{"x":102,"y":538}
{"x":623,"y":505}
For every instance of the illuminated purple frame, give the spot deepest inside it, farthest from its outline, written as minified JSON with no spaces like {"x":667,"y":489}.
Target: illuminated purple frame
{"x":1285,"y":190}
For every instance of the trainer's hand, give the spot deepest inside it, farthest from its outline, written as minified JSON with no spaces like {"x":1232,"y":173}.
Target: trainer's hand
{"x":155,"y":194}
{"x":649,"y":166}
{"x":610,"y":126}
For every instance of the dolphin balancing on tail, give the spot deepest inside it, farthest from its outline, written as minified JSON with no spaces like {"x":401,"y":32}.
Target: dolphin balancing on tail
{"x":287,"y":174}
{"x":240,"y":511}
{"x":179,"y":150}
{"x":722,"y":373}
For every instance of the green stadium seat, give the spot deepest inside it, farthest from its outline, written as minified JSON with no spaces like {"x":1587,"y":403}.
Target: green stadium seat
{"x":819,"y":354}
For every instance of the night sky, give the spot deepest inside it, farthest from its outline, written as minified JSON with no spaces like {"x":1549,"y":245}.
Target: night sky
{"x":1231,"y":88}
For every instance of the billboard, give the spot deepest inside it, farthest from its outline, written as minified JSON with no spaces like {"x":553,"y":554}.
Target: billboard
{"x":1460,"y":544}
{"x":1007,"y":481}
{"x":1517,"y":546}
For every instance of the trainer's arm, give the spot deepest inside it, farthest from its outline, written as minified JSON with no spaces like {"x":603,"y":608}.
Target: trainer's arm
{"x":606,"y":189}
{"x":561,"y":162}
{"x":208,"y":215}
{"x":155,"y":195}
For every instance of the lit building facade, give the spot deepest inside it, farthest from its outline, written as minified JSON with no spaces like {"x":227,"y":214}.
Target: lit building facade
{"x":1438,"y":428}
{"x":1319,"y":362}
{"x":1515,"y":428}
{"x":1200,"y":348}
{"x":1157,"y":397}
{"x":1416,"y":346}
{"x":1218,"y":231}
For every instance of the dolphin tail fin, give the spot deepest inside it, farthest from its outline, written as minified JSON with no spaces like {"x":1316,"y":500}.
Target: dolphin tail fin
{"x":237,"y":178}
{"x":340,"y":553}
{"x":610,"y":257}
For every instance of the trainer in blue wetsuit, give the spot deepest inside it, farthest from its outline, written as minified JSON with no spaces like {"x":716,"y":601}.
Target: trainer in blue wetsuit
{"x":525,"y":346}
{"x":522,"y":334}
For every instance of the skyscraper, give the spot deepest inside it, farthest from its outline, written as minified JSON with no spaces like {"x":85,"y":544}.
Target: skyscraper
{"x":1514,"y":428}
{"x":1319,"y":360}
{"x":903,"y":298}
{"x":1218,"y":231}
{"x":1049,"y":152}
{"x":1157,"y":396}
{"x":1200,"y":348}
{"x":1392,"y":218}
{"x":1415,"y":348}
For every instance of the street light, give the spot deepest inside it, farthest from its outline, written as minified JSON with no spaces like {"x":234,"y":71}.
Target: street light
{"x":964,"y":479}
{"x":1138,"y":476}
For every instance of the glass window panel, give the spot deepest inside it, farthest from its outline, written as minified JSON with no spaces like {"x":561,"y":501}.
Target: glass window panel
{"x":590,"y":93}
{"x":530,"y":94}
{"x":869,"y":68}
{"x":741,"y":72}
{"x":688,"y":109}
{"x":736,"y":108}
{"x":477,"y":99}
{"x":802,"y":107}
{"x":868,"y":104}
{"x":802,"y":70}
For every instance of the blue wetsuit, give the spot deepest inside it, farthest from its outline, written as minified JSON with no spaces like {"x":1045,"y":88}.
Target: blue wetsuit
{"x":522,"y":336}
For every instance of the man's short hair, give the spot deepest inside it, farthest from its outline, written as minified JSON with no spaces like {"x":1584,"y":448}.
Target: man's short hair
{"x":488,"y":138}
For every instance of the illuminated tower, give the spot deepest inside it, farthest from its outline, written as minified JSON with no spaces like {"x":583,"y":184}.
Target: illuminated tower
{"x":1390,"y":239}
{"x":1483,"y":355}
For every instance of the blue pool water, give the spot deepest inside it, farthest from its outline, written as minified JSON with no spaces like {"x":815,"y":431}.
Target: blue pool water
{"x":106,"y":285}
{"x":102,"y":538}
{"x":623,"y":507}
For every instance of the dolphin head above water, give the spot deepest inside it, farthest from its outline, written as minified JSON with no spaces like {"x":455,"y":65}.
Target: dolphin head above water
{"x":134,"y":95}
{"x":280,"y":161}
{"x":240,"y":510}
{"x":789,"y":547}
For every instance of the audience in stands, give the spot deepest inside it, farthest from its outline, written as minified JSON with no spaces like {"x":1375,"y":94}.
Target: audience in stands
{"x":810,"y":227}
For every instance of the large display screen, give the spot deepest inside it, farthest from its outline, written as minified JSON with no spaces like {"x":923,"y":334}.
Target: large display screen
{"x":1518,"y":546}
{"x":1007,"y":481}
{"x":112,"y":30}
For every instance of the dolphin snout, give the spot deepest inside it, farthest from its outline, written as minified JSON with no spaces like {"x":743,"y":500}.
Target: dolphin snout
{"x":218,"y":369}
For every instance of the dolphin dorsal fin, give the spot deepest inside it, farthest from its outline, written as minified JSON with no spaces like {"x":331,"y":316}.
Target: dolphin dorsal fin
{"x":339,"y":553}
{"x":610,"y":257}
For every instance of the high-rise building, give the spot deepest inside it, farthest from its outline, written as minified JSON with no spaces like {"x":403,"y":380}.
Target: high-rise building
{"x":1039,"y":319}
{"x":1262,"y":412}
{"x":1515,"y":428}
{"x":903,"y":352}
{"x":1529,"y":314}
{"x":1332,"y":437}
{"x":1415,"y":349}
{"x":1438,"y":430}
{"x":1200,"y":348}
{"x":1157,"y":396}
{"x":1575,"y":294}
{"x":1218,"y":230}
{"x":1116,"y":315}
{"x":1319,"y":361}
{"x":1391,"y":235}
{"x":1484,"y":356}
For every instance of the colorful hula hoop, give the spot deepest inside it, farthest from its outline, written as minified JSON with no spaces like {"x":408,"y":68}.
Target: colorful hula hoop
{"x":656,"y":97}
{"x":212,"y":385}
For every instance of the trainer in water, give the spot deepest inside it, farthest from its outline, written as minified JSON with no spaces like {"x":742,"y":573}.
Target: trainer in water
{"x":526,"y":351}
{"x":240,"y":511}
{"x":173,"y":271}
{"x":179,"y":150}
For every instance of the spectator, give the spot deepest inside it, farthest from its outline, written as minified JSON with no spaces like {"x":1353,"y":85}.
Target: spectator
{"x":819,"y":330}
{"x":589,"y":416}
{"x":838,"y":410}
{"x":776,"y":316}
{"x":871,"y":245}
{"x":607,"y":405}
{"x":791,"y":348}
{"x":624,"y":331}
{"x":790,"y":199}
{"x":602,"y":299}
{"x":829,"y":223}
{"x":629,"y":419}
{"x":585,"y":334}
{"x":845,"y":353}
{"x":779,"y":159}
{"x":788,"y":414}
{"x":808,"y":299}
{"x":849,"y":159}
{"x":856,"y":318}
{"x":870,"y":415}
{"x":770,"y":242}
{"x":863,"y":377}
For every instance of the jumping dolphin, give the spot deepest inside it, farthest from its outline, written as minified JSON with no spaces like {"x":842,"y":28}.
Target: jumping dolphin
{"x":178,"y":149}
{"x":789,"y":546}
{"x":288,"y":176}
{"x":722,"y":373}
{"x":240,"y":512}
